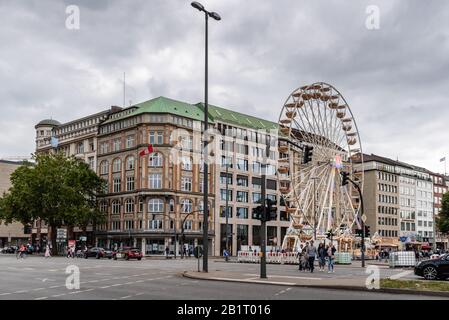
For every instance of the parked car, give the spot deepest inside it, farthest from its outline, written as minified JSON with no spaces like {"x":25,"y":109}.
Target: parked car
{"x":432,"y":269}
{"x":109,"y":254}
{"x":94,"y":252}
{"x":10,"y":250}
{"x":128,"y":253}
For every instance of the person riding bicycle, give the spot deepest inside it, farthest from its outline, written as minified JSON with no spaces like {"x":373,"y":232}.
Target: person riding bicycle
{"x":22,"y":250}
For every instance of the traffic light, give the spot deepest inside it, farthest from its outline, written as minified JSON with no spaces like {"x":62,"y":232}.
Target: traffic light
{"x":271,"y":210}
{"x":344,"y":178}
{"x":358,"y":232}
{"x":307,"y":155}
{"x":257,"y":213}
{"x":329,"y":234}
{"x":367,"y":231}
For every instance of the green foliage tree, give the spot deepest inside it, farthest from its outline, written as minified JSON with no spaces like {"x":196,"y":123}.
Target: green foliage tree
{"x":59,"y":190}
{"x":443,"y":216}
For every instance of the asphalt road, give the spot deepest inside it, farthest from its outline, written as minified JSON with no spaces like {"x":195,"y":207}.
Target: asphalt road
{"x":37,"y":278}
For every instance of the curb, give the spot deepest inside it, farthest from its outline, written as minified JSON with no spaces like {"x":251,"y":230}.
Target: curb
{"x":334,"y":287}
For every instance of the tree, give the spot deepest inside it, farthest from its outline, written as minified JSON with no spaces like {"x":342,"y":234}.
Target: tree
{"x":443,"y":217}
{"x":59,"y":190}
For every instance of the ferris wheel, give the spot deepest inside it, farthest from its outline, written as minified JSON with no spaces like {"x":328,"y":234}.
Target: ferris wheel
{"x":318,"y":140}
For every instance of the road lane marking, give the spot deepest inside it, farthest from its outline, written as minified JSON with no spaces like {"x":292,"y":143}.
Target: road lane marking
{"x":5,"y":294}
{"x":125,"y":297}
{"x":37,"y":289}
{"x":41,"y":298}
{"x":276,"y":276}
{"x":21,"y":291}
{"x":105,"y":287}
{"x":59,"y":295}
{"x":400,"y":275}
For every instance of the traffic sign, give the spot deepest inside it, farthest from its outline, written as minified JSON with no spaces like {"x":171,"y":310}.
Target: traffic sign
{"x":198,"y":252}
{"x":61,"y":233}
{"x":364,"y":218}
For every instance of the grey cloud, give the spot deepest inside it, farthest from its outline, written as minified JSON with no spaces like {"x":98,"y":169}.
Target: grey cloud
{"x":393,"y":78}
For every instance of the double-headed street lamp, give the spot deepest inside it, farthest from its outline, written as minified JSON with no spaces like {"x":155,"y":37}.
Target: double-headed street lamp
{"x":217,"y":17}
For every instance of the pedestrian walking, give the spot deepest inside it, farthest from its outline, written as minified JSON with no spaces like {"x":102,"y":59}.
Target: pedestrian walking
{"x":167,"y":251}
{"x":311,"y":253}
{"x":322,"y":253}
{"x":330,"y":258}
{"x":47,"y":251}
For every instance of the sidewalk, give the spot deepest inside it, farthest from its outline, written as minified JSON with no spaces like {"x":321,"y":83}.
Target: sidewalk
{"x":306,"y":280}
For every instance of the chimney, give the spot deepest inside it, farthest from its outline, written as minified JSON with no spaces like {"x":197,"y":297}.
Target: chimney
{"x":115,"y":109}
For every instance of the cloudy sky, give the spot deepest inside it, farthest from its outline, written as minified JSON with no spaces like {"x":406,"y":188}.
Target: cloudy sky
{"x":395,"y":78}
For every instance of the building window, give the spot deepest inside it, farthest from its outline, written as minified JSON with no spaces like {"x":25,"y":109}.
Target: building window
{"x":155,"y":160}
{"x":242,"y":181}
{"x":104,"y":206}
{"x":242,"y":213}
{"x":155,"y":180}
{"x":104,"y":147}
{"x":223,"y":195}
{"x":91,"y":162}
{"x":155,"y":224}
{"x":242,"y":196}
{"x":186,"y":163}
{"x":223,"y":212}
{"x":117,"y":184}
{"x":188,"y":225}
{"x":186,"y":206}
{"x":129,"y":224}
{"x":223,"y":178}
{"x":115,"y":225}
{"x":257,"y":197}
{"x":140,"y":205}
{"x":186,"y":184}
{"x":80,"y":148}
{"x":129,"y":183}
{"x":155,"y":205}
{"x":172,"y":205}
{"x":156,"y":137}
{"x":104,"y":167}
{"x":130,"y":141}
{"x":115,"y":207}
{"x":116,"y":145}
{"x":117,"y":165}
{"x":130,"y":163}
{"x":129,"y":206}
{"x":226,"y":161}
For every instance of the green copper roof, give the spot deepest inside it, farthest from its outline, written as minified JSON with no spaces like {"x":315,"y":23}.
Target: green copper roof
{"x":237,"y":118}
{"x":164,"y":105}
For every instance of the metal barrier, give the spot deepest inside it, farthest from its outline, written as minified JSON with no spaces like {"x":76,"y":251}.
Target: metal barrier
{"x":271,"y":257}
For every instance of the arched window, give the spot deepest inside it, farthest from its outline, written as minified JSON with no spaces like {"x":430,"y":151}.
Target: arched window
{"x":129,"y":206}
{"x":155,"y":205}
{"x":130,"y":163}
{"x":115,"y":207}
{"x":117,"y":165}
{"x":172,"y":205}
{"x":186,"y":163}
{"x":104,"y":167}
{"x":156,"y":160}
{"x":186,"y":206}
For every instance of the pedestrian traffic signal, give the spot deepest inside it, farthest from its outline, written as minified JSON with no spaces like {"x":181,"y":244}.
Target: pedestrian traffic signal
{"x":307,"y":154}
{"x":358,"y":232}
{"x":367,"y":231}
{"x":344,"y":178}
{"x":257,"y":213}
{"x":271,"y":210}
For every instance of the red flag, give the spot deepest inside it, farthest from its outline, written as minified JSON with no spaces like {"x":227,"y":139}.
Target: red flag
{"x":146,"y":151}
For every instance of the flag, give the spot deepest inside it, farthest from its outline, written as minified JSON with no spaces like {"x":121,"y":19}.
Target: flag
{"x":54,"y":142}
{"x":147,"y":150}
{"x":443,"y":159}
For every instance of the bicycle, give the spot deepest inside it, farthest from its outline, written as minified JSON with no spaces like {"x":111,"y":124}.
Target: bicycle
{"x":21,"y":255}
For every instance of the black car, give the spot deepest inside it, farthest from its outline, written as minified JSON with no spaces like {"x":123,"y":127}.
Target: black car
{"x":94,"y":252}
{"x":433,"y":268}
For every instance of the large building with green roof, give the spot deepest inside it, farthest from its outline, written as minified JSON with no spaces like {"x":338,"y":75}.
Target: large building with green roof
{"x":152,"y":199}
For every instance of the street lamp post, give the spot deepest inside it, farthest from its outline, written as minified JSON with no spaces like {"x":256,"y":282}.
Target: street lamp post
{"x":314,"y":207}
{"x":227,"y":209}
{"x":217,"y":17}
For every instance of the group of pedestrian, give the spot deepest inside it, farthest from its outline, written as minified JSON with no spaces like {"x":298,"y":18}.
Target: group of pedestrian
{"x":324,"y":253}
